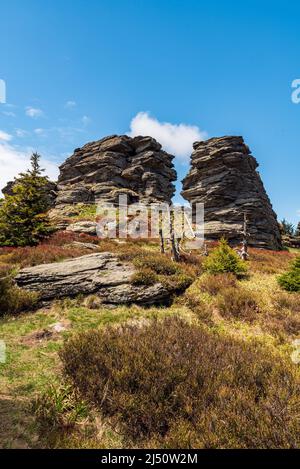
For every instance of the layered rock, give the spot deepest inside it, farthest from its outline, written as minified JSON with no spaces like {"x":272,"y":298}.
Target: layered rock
{"x":101,"y":274}
{"x":102,"y":170}
{"x":223,"y":176}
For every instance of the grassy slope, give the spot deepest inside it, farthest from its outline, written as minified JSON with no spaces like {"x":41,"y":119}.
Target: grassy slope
{"x":33,"y":364}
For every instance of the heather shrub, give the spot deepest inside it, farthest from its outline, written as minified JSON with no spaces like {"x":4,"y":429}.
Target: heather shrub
{"x":283,"y":300}
{"x":172,"y":384}
{"x":198,"y":305}
{"x":237,"y":303}
{"x":281,"y":322}
{"x":283,"y":318}
{"x":41,"y":254}
{"x":224,"y":259}
{"x":144,"y":276}
{"x":212,"y":284}
{"x":62,"y":238}
{"x":269,"y":262}
{"x":290,"y":280}
{"x":13,"y":300}
{"x":178,"y":282}
{"x":158,"y":263}
{"x":92,"y":302}
{"x":153,"y":267}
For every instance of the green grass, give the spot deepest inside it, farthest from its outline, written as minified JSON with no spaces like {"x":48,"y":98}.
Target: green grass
{"x":84,"y":212}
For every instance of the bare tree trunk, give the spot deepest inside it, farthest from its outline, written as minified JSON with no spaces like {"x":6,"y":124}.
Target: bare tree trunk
{"x":244,"y":251}
{"x":175,"y":253}
{"x":161,"y":236}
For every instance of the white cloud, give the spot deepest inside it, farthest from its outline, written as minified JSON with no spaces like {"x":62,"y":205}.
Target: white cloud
{"x":21,"y":133}
{"x":14,"y":161}
{"x":40,"y":131}
{"x":5,"y":137}
{"x":86,"y":120}
{"x":9,"y":113}
{"x":33,"y":112}
{"x":176,"y":139}
{"x":70,"y":104}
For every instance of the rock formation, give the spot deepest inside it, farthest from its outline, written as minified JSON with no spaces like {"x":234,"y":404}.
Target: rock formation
{"x":223,"y":176}
{"x":101,"y":274}
{"x":102,"y":170}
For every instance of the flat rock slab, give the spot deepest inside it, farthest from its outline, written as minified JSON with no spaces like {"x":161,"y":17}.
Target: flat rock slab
{"x":102,"y":274}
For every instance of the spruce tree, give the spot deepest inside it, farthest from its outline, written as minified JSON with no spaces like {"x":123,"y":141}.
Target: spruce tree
{"x":23,"y":218}
{"x":223,"y":259}
{"x":287,"y":228}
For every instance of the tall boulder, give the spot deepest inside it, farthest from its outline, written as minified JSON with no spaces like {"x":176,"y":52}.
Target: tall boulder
{"x":223,"y":176}
{"x":102,"y":170}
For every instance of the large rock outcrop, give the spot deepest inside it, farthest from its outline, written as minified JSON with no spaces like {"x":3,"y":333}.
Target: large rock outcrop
{"x":223,"y":176}
{"x":102,"y":274}
{"x":102,"y":170}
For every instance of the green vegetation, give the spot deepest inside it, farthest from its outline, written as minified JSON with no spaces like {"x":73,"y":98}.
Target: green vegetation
{"x":58,"y":408}
{"x":224,"y":259}
{"x":290,"y":280}
{"x":83,"y":212}
{"x":287,"y":228}
{"x":13,"y":300}
{"x":23,"y":220}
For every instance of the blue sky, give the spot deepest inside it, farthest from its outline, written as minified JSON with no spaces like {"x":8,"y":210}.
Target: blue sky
{"x":78,"y":70}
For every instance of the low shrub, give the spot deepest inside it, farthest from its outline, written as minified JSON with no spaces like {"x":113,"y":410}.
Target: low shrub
{"x":62,"y":238}
{"x":237,"y":303}
{"x":212,"y":284}
{"x":92,"y":302}
{"x":158,"y":263}
{"x":283,"y":300}
{"x":224,"y":259}
{"x":281,"y":323}
{"x":153,"y":267}
{"x":290,"y":280}
{"x":198,"y":305}
{"x":177,"y":282}
{"x":41,"y":254}
{"x":172,"y":384}
{"x":13,"y":300}
{"x":269,"y":262}
{"x":144,"y":276}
